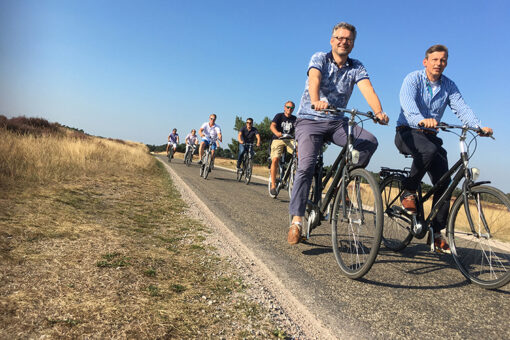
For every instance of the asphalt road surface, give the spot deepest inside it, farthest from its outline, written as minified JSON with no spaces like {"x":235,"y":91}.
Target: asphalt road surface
{"x":412,"y":294}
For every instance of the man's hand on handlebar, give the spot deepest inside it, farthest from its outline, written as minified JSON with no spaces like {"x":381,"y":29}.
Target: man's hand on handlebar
{"x":486,"y":132}
{"x":319,"y":105}
{"x":382,"y":118}
{"x":429,"y":123}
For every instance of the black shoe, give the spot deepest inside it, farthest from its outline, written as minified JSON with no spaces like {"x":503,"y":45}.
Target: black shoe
{"x":200,"y":162}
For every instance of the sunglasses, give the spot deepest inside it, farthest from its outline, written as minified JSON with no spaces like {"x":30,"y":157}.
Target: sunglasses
{"x":290,"y":107}
{"x":249,"y":122}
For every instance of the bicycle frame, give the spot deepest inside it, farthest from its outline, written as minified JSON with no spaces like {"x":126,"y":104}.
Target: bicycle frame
{"x":461,"y":170}
{"x":340,"y":168}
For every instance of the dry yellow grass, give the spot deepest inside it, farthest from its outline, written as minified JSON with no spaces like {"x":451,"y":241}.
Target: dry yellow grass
{"x":42,"y":158}
{"x":95,"y":243}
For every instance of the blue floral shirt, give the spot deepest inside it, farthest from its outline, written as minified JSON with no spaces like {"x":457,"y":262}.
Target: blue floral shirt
{"x":336,"y":85}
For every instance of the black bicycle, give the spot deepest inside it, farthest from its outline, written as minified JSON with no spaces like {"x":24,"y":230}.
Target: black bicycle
{"x":478,"y":227}
{"x":205,"y":167}
{"x":188,"y":157}
{"x":246,"y":166}
{"x":285,"y":171}
{"x":357,"y":215}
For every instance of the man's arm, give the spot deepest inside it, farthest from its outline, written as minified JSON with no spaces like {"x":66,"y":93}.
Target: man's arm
{"x":258,"y":138}
{"x":367,"y":90}
{"x":274,"y":131}
{"x":239,"y":137}
{"x":409,"y":93}
{"x":201,"y":132}
{"x":314,"y":83}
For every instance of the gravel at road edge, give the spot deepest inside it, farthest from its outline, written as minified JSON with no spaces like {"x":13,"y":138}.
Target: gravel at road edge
{"x":263,"y":286}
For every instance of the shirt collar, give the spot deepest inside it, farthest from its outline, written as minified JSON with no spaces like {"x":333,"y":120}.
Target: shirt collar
{"x":348,"y":62}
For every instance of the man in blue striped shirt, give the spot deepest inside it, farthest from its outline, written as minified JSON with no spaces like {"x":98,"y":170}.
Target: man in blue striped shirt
{"x":423,"y":99}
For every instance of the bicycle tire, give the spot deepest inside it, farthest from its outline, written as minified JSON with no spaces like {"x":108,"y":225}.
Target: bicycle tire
{"x":170,"y":154}
{"x":207,"y":165}
{"x":484,"y":257}
{"x":187,"y":158}
{"x":240,"y":172}
{"x":311,"y":208}
{"x":248,"y":169}
{"x":356,"y":238}
{"x":397,"y":225}
{"x":291,"y":176}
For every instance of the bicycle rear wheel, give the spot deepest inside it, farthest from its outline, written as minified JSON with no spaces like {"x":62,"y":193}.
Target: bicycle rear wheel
{"x":247,"y":171}
{"x":356,"y":236}
{"x":397,"y":225}
{"x":479,"y":236}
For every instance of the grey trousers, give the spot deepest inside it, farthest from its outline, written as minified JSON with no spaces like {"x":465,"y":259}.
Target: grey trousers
{"x":310,"y":136}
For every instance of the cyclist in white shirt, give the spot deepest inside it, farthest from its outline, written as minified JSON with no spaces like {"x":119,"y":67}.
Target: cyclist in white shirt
{"x":173,"y":140}
{"x":191,"y":139}
{"x":210,"y":133}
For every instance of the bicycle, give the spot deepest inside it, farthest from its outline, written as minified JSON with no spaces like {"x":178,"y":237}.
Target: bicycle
{"x":285,"y":171}
{"x":205,"y":167}
{"x":357,"y":216}
{"x":188,"y":157}
{"x":246,"y":168}
{"x":170,"y":154}
{"x":478,"y":227}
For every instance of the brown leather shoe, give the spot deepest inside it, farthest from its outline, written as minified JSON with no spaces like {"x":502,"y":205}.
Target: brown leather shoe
{"x":294,"y":235}
{"x":440,"y":245}
{"x":409,"y":203}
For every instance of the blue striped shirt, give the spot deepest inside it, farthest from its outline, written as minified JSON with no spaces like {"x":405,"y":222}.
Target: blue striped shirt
{"x":336,"y":85}
{"x":418,"y":101}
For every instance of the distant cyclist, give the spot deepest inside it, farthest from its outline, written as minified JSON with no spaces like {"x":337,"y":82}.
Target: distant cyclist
{"x":173,"y":139}
{"x":191,"y":139}
{"x":210,"y":133}
{"x":282,"y":124}
{"x":247,"y":134}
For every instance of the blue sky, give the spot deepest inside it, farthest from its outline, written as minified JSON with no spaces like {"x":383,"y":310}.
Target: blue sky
{"x":136,"y":69}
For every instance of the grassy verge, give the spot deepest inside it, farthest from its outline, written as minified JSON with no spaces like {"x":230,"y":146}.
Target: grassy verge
{"x":108,"y":252}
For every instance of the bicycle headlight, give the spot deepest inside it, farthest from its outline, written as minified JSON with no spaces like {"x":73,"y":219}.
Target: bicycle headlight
{"x":475,"y":173}
{"x":355,"y":156}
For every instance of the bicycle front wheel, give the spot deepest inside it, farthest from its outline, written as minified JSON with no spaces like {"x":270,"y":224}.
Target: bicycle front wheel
{"x":291,"y":176}
{"x":247,"y":171}
{"x":170,"y":154}
{"x":240,"y":172}
{"x":204,"y":170}
{"x":479,"y":236}
{"x":397,"y":225}
{"x":357,"y":228}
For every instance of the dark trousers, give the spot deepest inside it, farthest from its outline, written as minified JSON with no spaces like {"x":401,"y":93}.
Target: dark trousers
{"x":428,"y":157}
{"x":310,"y":136}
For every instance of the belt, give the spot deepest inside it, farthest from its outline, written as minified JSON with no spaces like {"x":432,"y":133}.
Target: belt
{"x":426,"y":131}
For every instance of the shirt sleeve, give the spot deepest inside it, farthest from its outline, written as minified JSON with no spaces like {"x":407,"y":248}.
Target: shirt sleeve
{"x":461,"y":109}
{"x":409,"y":94}
{"x":361,"y":73}
{"x":317,"y":61}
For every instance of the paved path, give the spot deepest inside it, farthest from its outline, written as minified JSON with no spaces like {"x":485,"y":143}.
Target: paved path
{"x":413,"y":294}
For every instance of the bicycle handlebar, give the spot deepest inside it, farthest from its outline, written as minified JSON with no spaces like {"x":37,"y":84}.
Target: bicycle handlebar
{"x":478,"y":130}
{"x":286,"y":136}
{"x":352,"y":112}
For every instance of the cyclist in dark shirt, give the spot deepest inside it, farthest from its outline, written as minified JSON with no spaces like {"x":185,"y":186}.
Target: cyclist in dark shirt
{"x":247,"y":134}
{"x":282,"y":124}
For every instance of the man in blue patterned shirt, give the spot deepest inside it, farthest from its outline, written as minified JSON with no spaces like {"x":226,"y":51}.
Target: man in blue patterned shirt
{"x":331,"y":80}
{"x":423,"y":99}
